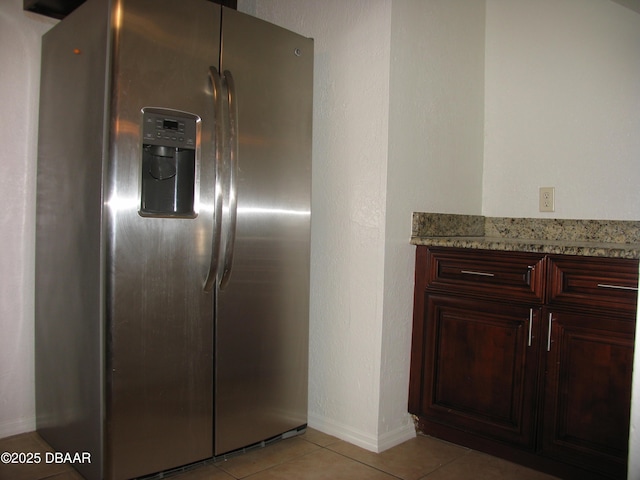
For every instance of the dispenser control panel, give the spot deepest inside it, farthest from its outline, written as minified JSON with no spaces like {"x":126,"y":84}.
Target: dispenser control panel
{"x":168,"y":128}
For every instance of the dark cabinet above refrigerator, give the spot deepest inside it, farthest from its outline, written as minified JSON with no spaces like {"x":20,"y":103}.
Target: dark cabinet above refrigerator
{"x":52,"y":8}
{"x":62,"y":8}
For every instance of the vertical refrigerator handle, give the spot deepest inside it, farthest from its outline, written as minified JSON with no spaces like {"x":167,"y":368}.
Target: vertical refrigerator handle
{"x":232,"y":131}
{"x":219,"y":135}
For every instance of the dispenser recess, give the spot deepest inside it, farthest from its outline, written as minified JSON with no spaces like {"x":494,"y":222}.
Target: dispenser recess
{"x":168,"y":163}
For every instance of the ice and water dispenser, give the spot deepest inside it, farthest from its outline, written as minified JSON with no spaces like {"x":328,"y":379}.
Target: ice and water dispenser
{"x":168,"y":163}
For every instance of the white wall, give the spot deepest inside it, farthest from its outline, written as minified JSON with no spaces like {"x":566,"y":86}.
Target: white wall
{"x":434,"y":161}
{"x":562,"y":108}
{"x":437,"y":108}
{"x":19,"y":82}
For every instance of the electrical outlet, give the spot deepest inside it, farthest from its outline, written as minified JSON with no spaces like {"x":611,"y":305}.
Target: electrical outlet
{"x":547,"y":199}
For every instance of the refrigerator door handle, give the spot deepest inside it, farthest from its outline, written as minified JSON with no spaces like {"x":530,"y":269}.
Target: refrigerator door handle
{"x":232,"y":132}
{"x":219,"y":135}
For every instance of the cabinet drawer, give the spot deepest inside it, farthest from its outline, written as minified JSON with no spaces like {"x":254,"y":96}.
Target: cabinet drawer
{"x":506,"y":275}
{"x":593,"y":282}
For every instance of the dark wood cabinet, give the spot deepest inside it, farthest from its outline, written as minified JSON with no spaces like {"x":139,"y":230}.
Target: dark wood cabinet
{"x":61,"y":8}
{"x":526,"y":356}
{"x":481,"y":362}
{"x":587,"y":388}
{"x":590,"y":328}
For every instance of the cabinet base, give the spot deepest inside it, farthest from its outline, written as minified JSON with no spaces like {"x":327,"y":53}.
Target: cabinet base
{"x":532,"y":460}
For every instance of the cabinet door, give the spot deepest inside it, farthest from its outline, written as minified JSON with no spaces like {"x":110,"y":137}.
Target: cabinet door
{"x":588,"y":391}
{"x":479,"y":367}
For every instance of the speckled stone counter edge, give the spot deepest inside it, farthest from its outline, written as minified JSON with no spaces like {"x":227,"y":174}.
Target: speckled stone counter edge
{"x":602,"y":238}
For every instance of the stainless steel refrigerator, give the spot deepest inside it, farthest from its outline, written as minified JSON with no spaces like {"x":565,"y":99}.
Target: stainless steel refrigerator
{"x":172,"y":248}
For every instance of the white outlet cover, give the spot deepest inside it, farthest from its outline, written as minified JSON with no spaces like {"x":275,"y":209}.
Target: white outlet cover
{"x":547,"y":199}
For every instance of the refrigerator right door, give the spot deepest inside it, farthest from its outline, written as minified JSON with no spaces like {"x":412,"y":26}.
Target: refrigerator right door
{"x":262,"y":316}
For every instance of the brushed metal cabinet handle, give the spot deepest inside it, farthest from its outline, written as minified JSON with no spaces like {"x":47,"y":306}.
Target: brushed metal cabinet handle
{"x":480,"y":274}
{"x":617,"y":287}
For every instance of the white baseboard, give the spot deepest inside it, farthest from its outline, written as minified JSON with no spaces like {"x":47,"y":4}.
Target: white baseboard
{"x":397,"y":436}
{"x":368,"y":441}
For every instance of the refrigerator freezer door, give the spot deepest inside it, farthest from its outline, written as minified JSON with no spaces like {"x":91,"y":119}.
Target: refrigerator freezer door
{"x":159,"y":319}
{"x":68,"y":286}
{"x":261,"y":331}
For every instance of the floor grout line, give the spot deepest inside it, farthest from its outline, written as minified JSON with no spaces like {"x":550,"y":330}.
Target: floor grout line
{"x":453,"y":460}
{"x":366,"y":464}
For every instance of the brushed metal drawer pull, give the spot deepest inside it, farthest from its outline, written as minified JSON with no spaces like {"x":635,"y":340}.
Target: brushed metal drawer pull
{"x":617,"y":287}
{"x":527,"y":278}
{"x":480,"y":274}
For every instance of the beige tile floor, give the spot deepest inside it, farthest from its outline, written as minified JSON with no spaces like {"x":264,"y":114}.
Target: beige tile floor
{"x":312,"y":456}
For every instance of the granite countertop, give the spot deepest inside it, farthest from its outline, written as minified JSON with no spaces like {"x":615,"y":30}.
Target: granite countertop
{"x":596,"y":238}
